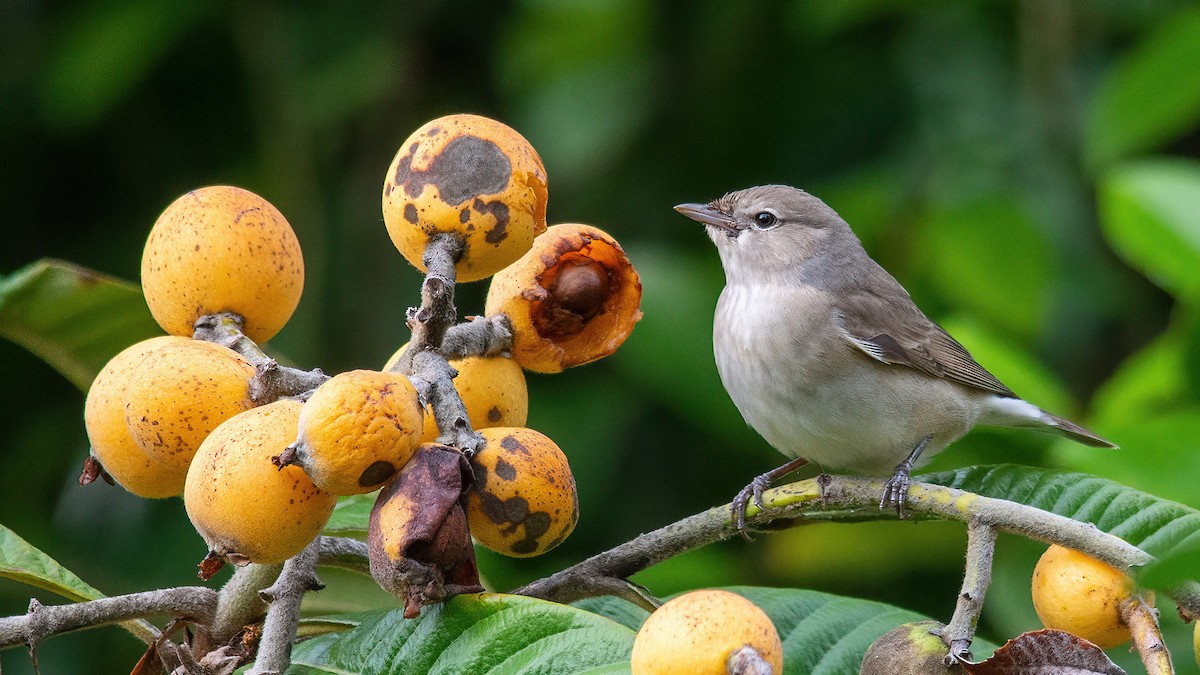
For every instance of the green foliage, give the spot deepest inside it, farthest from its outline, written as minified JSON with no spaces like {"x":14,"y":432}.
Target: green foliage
{"x":43,"y":307}
{"x":821,"y":634}
{"x":471,"y":634}
{"x":1148,"y":210}
{"x":1146,"y":99}
{"x":993,"y":157}
{"x":22,"y":562}
{"x":1157,"y":526}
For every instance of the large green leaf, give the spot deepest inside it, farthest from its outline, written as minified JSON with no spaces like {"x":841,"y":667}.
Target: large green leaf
{"x":1155,"y":525}
{"x":21,"y":561}
{"x":485,"y":633}
{"x":1148,"y":211}
{"x":1151,"y":96}
{"x":72,"y":317}
{"x":821,"y":634}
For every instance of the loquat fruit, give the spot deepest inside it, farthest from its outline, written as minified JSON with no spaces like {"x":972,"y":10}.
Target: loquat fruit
{"x":356,"y":431}
{"x":222,"y":249}
{"x":246,"y":510}
{"x":472,"y":176}
{"x":112,"y":444}
{"x":523,"y":502}
{"x":572,"y":299}
{"x":696,"y":634}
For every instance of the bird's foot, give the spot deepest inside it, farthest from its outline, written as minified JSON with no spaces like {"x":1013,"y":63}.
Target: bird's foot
{"x":895,"y":490}
{"x":752,"y":492}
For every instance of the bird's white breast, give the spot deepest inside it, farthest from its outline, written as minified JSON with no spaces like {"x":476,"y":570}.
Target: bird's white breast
{"x":811,"y":394}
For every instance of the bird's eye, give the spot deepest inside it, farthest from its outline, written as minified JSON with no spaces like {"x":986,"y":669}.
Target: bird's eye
{"x":765,"y":220}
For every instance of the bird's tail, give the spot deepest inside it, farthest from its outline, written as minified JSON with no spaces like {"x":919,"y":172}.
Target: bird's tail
{"x":1074,"y":432}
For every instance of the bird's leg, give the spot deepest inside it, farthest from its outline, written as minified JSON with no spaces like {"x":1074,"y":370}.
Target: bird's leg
{"x":755,"y":491}
{"x":895,"y":490}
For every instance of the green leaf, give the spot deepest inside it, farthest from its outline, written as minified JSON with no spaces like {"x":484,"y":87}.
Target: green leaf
{"x":472,"y":634}
{"x":821,"y":633}
{"x":623,"y":612}
{"x":21,"y":561}
{"x":1158,"y":526}
{"x":1149,"y":443}
{"x":1151,"y":96}
{"x":1149,"y":216}
{"x":72,"y":317}
{"x":350,"y":516}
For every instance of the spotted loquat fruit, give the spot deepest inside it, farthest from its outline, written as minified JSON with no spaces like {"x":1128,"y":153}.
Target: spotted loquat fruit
{"x":471,"y":176}
{"x":222,"y":249}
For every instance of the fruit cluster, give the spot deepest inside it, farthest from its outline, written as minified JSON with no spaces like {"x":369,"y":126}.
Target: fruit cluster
{"x":261,"y":467}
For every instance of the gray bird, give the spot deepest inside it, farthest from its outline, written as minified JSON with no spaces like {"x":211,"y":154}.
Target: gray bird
{"x":826,"y":355}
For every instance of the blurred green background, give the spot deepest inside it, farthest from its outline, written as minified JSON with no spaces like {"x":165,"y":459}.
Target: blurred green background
{"x":1029,"y":170}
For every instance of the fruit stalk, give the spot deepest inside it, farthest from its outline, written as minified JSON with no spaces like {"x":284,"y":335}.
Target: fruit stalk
{"x":1142,"y":620}
{"x":981,"y":547}
{"x":423,"y":362}
{"x":481,"y":336}
{"x":272,"y":381}
{"x":298,"y":577}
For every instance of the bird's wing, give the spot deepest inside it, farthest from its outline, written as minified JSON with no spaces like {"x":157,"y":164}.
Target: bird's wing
{"x":886,"y":325}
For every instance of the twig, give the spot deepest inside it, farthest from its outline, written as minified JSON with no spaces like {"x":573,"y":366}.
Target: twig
{"x":43,"y":621}
{"x":1142,"y":621}
{"x":346,"y":553}
{"x":298,"y":577}
{"x":481,"y":336}
{"x":423,"y":362}
{"x":239,"y":604}
{"x":849,"y":498}
{"x":272,"y":381}
{"x":981,"y":547}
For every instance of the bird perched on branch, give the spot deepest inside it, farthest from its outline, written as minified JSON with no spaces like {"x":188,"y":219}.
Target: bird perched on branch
{"x":826,"y":355}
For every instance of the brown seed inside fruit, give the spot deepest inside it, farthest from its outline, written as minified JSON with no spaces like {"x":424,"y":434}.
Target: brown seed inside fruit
{"x":577,"y":292}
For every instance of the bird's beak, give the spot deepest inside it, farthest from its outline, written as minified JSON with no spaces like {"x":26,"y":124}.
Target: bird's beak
{"x":709,"y":215}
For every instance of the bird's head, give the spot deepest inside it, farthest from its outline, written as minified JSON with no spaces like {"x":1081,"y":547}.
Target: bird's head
{"x":770,"y":230}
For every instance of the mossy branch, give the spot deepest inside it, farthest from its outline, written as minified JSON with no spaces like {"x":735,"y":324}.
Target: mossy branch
{"x":832,"y":498}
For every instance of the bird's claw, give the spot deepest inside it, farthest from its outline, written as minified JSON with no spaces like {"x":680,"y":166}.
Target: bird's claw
{"x":752,"y":492}
{"x":895,"y":493}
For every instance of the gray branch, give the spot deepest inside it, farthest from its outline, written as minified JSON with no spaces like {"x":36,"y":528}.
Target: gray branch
{"x":481,"y":336}
{"x":423,"y":362}
{"x":272,"y":381}
{"x":196,"y":604}
{"x":298,"y":577}
{"x":853,"y":498}
{"x":981,"y":548}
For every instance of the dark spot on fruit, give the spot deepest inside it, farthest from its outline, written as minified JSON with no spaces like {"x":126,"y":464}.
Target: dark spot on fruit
{"x":505,"y":470}
{"x":376,"y":473}
{"x":493,"y":414}
{"x":536,"y":524}
{"x":498,"y":210}
{"x":410,"y":213}
{"x":467,"y":167}
{"x":516,"y":510}
{"x":511,"y":444}
{"x":464,"y":216}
